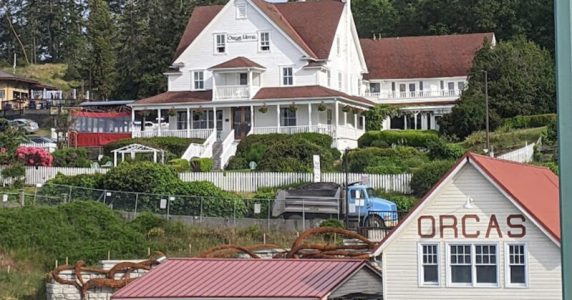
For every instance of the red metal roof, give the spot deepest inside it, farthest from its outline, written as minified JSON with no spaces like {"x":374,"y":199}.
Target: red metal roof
{"x":301,"y":92}
{"x":422,"y":56}
{"x":234,"y":278}
{"x":200,"y":18}
{"x":237,"y":62}
{"x":178,"y":97}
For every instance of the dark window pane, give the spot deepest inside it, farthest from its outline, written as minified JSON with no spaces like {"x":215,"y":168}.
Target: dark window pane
{"x":430,"y":274}
{"x":486,"y":274}
{"x":517,"y":274}
{"x":461,"y":274}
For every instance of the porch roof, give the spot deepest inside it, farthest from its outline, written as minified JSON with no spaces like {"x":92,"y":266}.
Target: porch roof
{"x":178,"y":97}
{"x":237,"y":63}
{"x":301,"y":92}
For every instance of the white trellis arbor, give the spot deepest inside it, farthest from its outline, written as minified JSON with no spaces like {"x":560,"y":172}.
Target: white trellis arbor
{"x":137,"y":148}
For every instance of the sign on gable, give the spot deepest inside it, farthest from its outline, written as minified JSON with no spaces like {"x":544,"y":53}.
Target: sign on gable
{"x":241,"y":37}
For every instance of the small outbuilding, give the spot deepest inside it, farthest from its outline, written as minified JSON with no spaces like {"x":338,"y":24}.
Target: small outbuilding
{"x":256,"y":279}
{"x":134,"y":149}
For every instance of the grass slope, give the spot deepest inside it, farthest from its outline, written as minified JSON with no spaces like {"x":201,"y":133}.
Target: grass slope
{"x":49,"y":74}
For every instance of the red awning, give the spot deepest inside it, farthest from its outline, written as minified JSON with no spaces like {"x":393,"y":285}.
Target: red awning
{"x":88,"y":139}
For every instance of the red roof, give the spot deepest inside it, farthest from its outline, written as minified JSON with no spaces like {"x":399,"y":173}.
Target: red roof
{"x":237,"y":62}
{"x":247,"y":278}
{"x":309,"y":91}
{"x":534,"y":189}
{"x":178,"y":97}
{"x":422,"y":56}
{"x":310,"y":24}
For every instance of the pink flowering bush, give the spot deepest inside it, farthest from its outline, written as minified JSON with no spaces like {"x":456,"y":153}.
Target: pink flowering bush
{"x":32,"y":156}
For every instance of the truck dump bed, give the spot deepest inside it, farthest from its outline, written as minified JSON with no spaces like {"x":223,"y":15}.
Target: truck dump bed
{"x":311,"y":198}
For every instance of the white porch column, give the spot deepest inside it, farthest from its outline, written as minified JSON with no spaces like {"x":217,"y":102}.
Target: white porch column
{"x":214,"y":86}
{"x":251,"y":118}
{"x":188,"y":122}
{"x":424,"y":121}
{"x":433,"y":124}
{"x":277,"y":118}
{"x":310,"y":117}
{"x":415,"y":120}
{"x":250,"y":85}
{"x":355,"y":122}
{"x":363,"y":122}
{"x":404,"y":121}
{"x":159,"y":122}
{"x":133,"y":120}
{"x":336,"y":119}
{"x":345,"y":118}
{"x":215,"y":120}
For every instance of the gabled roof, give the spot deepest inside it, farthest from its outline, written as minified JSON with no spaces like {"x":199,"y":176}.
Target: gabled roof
{"x":178,"y":97}
{"x":237,"y":62}
{"x":309,"y":91}
{"x":422,"y":56}
{"x":311,"y":25}
{"x":241,"y":278}
{"x":532,"y":189}
{"x":13,"y":77}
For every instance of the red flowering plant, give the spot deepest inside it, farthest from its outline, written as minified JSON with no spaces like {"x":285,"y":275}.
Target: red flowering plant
{"x":34,"y":156}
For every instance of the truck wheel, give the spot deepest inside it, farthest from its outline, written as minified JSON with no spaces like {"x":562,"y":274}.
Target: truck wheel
{"x":375,"y":221}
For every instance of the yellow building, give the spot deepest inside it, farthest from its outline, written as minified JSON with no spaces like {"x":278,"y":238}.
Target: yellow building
{"x":16,"y":90}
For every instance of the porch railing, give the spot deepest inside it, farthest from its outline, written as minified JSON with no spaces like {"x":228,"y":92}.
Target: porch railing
{"x":232,"y":92}
{"x":228,"y":148}
{"x":182,"y":133}
{"x":324,"y":129}
{"x":414,"y":94}
{"x":201,"y":150}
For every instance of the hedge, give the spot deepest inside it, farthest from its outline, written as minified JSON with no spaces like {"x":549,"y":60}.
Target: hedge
{"x":385,"y":160}
{"x":175,"y":145}
{"x":427,"y":175}
{"x":201,"y":164}
{"x":532,"y":121}
{"x":387,"y":138}
{"x":71,"y":157}
{"x":179,"y":165}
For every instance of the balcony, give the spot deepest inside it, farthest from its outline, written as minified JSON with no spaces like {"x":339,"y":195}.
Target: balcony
{"x":181,"y":133}
{"x":232,"y":92}
{"x":414,"y":96}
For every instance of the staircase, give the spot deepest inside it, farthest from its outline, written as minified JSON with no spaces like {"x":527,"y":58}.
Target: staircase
{"x":217,"y":153}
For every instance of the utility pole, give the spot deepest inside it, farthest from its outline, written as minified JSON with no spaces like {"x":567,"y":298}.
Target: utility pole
{"x":488,"y":142}
{"x":562,"y":13}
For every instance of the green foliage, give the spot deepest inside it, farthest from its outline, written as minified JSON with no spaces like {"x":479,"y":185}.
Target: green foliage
{"x":375,"y":116}
{"x":102,"y":56}
{"x":201,"y":164}
{"x":179,"y":165}
{"x":551,"y":135}
{"x":387,"y":138}
{"x":214,"y":201}
{"x":532,"y":121}
{"x":92,"y":181}
{"x":440,"y":149}
{"x":385,"y":160}
{"x":16,"y":172}
{"x":427,"y":175}
{"x":404,"y":202}
{"x":332,"y":223}
{"x":502,"y":141}
{"x":520,"y":82}
{"x":175,"y":145}
{"x":145,"y":177}
{"x":71,"y":157}
{"x":284,"y":153}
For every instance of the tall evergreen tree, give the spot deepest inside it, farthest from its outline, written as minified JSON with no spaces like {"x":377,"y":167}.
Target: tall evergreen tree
{"x":102,"y":56}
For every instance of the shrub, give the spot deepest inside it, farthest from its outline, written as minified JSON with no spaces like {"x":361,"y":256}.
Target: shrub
{"x":145,"y":177}
{"x":531,"y":121}
{"x":385,"y":160}
{"x":16,"y":172}
{"x":175,"y":145}
{"x":90,"y":188}
{"x":201,"y":164}
{"x":71,"y":157}
{"x":332,"y":223}
{"x":34,"y":156}
{"x":288,"y":156}
{"x":427,"y":175}
{"x":387,"y":138}
{"x":440,"y":149}
{"x":92,"y":181}
{"x":179,"y":165}
{"x":206,"y":197}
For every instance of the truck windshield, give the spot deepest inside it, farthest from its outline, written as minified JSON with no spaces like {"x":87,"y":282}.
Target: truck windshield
{"x":371,"y":193}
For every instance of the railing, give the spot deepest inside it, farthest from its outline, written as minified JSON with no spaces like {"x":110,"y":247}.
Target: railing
{"x":324,"y":129}
{"x":228,"y":148}
{"x":182,"y":133}
{"x":347,"y":132}
{"x":201,"y":150}
{"x":521,"y":155}
{"x":232,"y":92}
{"x":414,"y":94}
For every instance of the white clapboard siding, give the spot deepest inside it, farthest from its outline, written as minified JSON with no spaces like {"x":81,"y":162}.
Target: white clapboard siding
{"x":250,"y":182}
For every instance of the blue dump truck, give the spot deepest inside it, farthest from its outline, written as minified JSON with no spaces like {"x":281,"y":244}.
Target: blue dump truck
{"x":324,"y":200}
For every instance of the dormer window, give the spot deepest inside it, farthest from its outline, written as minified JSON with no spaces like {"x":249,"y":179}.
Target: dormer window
{"x":287,"y":76}
{"x":220,"y":43}
{"x":241,"y":10}
{"x":264,"y":38}
{"x":199,"y":80}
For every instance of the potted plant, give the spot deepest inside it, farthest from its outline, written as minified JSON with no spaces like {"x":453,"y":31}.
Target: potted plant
{"x":263,"y":109}
{"x":199,"y":111}
{"x":293,"y":107}
{"x":322,"y":106}
{"x":347,"y":108}
{"x":172,"y":112}
{"x":356,"y":110}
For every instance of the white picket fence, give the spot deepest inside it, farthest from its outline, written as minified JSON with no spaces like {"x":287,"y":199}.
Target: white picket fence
{"x":521,"y":155}
{"x":42,"y":174}
{"x":250,"y":182}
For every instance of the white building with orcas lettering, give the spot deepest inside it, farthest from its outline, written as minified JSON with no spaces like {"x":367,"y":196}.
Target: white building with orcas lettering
{"x":490,"y":229}
{"x":255,"y":67}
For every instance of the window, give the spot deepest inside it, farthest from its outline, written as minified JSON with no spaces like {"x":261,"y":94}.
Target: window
{"x":338,"y":46}
{"x":243,"y":80}
{"x":264,"y":41}
{"x":460,"y":264}
{"x":461,"y":86}
{"x":200,"y":119}
{"x":287,"y":76}
{"x":486,"y":263}
{"x":340,"y":81}
{"x":516,"y":265}
{"x":182,"y":120}
{"x":287,"y":117}
{"x":374,"y":87}
{"x":329,"y":116}
{"x":412,"y":90}
{"x":329,"y":74}
{"x":429,"y":265}
{"x":241,"y":10}
{"x":2,"y":95}
{"x":450,"y":86}
{"x":220,"y":43}
{"x":199,"y":80}
{"x":402,"y":92}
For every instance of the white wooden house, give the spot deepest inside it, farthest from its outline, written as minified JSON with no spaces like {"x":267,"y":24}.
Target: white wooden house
{"x":488,"y":230}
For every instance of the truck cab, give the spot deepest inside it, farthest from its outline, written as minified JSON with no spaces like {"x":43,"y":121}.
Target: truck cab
{"x":369,"y":209}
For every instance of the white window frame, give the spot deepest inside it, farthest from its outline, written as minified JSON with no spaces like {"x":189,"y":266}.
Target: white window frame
{"x":260,"y":45}
{"x":216,"y":43}
{"x":241,"y":14}
{"x":507,"y":278}
{"x":340,"y":81}
{"x":195,"y":80}
{"x":420,"y":274}
{"x":282,"y":76}
{"x":473,"y":264}
{"x":338,"y":46}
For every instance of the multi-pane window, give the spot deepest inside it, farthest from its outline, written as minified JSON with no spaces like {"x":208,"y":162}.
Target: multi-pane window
{"x":182,"y":120}
{"x":199,"y":80}
{"x":265,"y":41}
{"x":461,"y":86}
{"x":460,"y":264}
{"x":429,"y":265}
{"x":243,"y":78}
{"x":329,"y":116}
{"x":287,"y":117}
{"x":287,"y":76}
{"x":516,"y":273}
{"x":220,"y":43}
{"x":2,"y":95}
{"x":486,"y":263}
{"x":241,"y":10}
{"x":374,"y":87}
